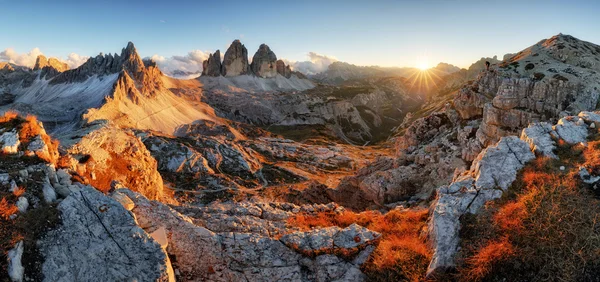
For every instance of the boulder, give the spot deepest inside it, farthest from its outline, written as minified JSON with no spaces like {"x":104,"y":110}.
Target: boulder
{"x":99,"y":240}
{"x":539,"y":137}
{"x":572,"y":130}
{"x":10,"y":142}
{"x":15,"y":266}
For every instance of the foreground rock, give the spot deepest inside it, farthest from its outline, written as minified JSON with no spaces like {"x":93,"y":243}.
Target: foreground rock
{"x":99,"y":240}
{"x":492,"y":172}
{"x":203,"y":254}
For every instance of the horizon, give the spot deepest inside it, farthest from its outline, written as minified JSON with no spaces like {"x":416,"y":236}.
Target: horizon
{"x":179,"y":39}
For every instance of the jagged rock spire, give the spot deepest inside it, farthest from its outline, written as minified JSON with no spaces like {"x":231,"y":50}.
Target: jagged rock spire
{"x":212,"y":66}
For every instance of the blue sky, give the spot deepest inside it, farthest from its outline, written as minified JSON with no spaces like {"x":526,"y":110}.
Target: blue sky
{"x":386,"y":33}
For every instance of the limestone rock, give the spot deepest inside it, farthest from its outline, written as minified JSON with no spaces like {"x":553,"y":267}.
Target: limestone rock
{"x":329,"y":239}
{"x":235,"y":61}
{"x":539,"y":138}
{"x":491,"y":173}
{"x":119,"y":249}
{"x":282,"y":69}
{"x":15,"y":267}
{"x":10,"y":142}
{"x":572,"y":129}
{"x":212,"y":66}
{"x":264,"y":62}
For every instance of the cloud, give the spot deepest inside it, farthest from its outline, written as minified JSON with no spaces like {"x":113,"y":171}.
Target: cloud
{"x":26,"y":59}
{"x":75,"y":60}
{"x":163,"y":21}
{"x":317,"y":63}
{"x":178,"y":65}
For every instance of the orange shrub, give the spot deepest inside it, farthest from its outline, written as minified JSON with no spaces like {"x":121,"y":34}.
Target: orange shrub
{"x":19,"y":192}
{"x":30,"y":128}
{"x":494,"y":252}
{"x":511,"y":216}
{"x":7,"y":209}
{"x":8,"y":116}
{"x":402,"y":253}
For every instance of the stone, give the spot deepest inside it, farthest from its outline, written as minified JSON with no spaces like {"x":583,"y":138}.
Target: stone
{"x":48,"y":192}
{"x":212,"y":66}
{"x":99,"y":240}
{"x":22,"y":204}
{"x":10,"y":142}
{"x":123,"y":200}
{"x":539,"y":138}
{"x":586,"y":177}
{"x":15,"y":267}
{"x":264,"y":62}
{"x":491,"y":173}
{"x":572,"y":130}
{"x":235,"y":61}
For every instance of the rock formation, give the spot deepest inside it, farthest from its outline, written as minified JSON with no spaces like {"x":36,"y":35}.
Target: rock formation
{"x":212,"y":66}
{"x":41,"y":62}
{"x":264,"y":62}
{"x":235,"y":61}
{"x":282,"y":69}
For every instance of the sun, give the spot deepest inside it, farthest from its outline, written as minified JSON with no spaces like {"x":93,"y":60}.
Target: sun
{"x":423,"y":63}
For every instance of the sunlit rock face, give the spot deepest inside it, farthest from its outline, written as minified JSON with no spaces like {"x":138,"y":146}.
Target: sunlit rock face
{"x":264,"y":62}
{"x":235,"y":61}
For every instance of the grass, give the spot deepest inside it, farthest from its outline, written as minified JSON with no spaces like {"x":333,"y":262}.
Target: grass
{"x":402,"y":253}
{"x":545,"y":228}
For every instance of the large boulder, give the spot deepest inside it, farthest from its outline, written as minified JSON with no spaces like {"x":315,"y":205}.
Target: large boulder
{"x":264,"y":62}
{"x":235,"y":61}
{"x":99,"y":240}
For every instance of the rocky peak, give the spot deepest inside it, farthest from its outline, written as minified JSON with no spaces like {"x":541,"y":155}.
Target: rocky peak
{"x":264,"y":62}
{"x":212,"y":66}
{"x":131,"y":61}
{"x":235,"y":61}
{"x":50,"y":67}
{"x":282,"y":69}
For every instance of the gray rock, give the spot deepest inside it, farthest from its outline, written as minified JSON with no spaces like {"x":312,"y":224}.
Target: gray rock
{"x":15,"y":267}
{"x":48,"y":192}
{"x":539,"y":138}
{"x":586,"y":177}
{"x":99,"y":240}
{"x":572,"y":129}
{"x":10,"y":142}
{"x":22,"y":204}
{"x":235,"y":61}
{"x":264,"y":62}
{"x":212,"y":66}
{"x":491,"y":173}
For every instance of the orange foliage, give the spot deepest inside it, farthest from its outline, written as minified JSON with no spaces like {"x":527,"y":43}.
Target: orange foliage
{"x":402,"y":252}
{"x":8,"y":116}
{"x":510,"y":216}
{"x":494,"y":252}
{"x":19,"y":192}
{"x":30,"y":128}
{"x":7,"y":209}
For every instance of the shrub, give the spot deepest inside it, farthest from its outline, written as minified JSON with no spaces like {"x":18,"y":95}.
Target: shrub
{"x":7,"y":209}
{"x":402,"y":253}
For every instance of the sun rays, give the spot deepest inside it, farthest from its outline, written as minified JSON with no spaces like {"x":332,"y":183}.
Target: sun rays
{"x":423,"y":79}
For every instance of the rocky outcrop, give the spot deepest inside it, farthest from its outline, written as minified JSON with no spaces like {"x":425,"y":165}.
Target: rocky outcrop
{"x":121,"y":250}
{"x":203,"y":254}
{"x":110,"y":154}
{"x":540,"y":137}
{"x":212,"y":66}
{"x":264,"y":62}
{"x":235,"y":61}
{"x":49,"y":67}
{"x":282,"y":69}
{"x":491,"y":173}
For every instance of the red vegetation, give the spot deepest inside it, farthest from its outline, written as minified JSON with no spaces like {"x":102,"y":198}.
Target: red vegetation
{"x":7,"y":209}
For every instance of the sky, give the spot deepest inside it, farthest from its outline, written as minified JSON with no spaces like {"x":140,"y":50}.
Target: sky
{"x":384,"y":33}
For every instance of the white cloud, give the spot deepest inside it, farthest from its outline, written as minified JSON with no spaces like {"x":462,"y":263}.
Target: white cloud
{"x":26,"y":59}
{"x":190,"y":63}
{"x":317,"y":63}
{"x":75,"y":60}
